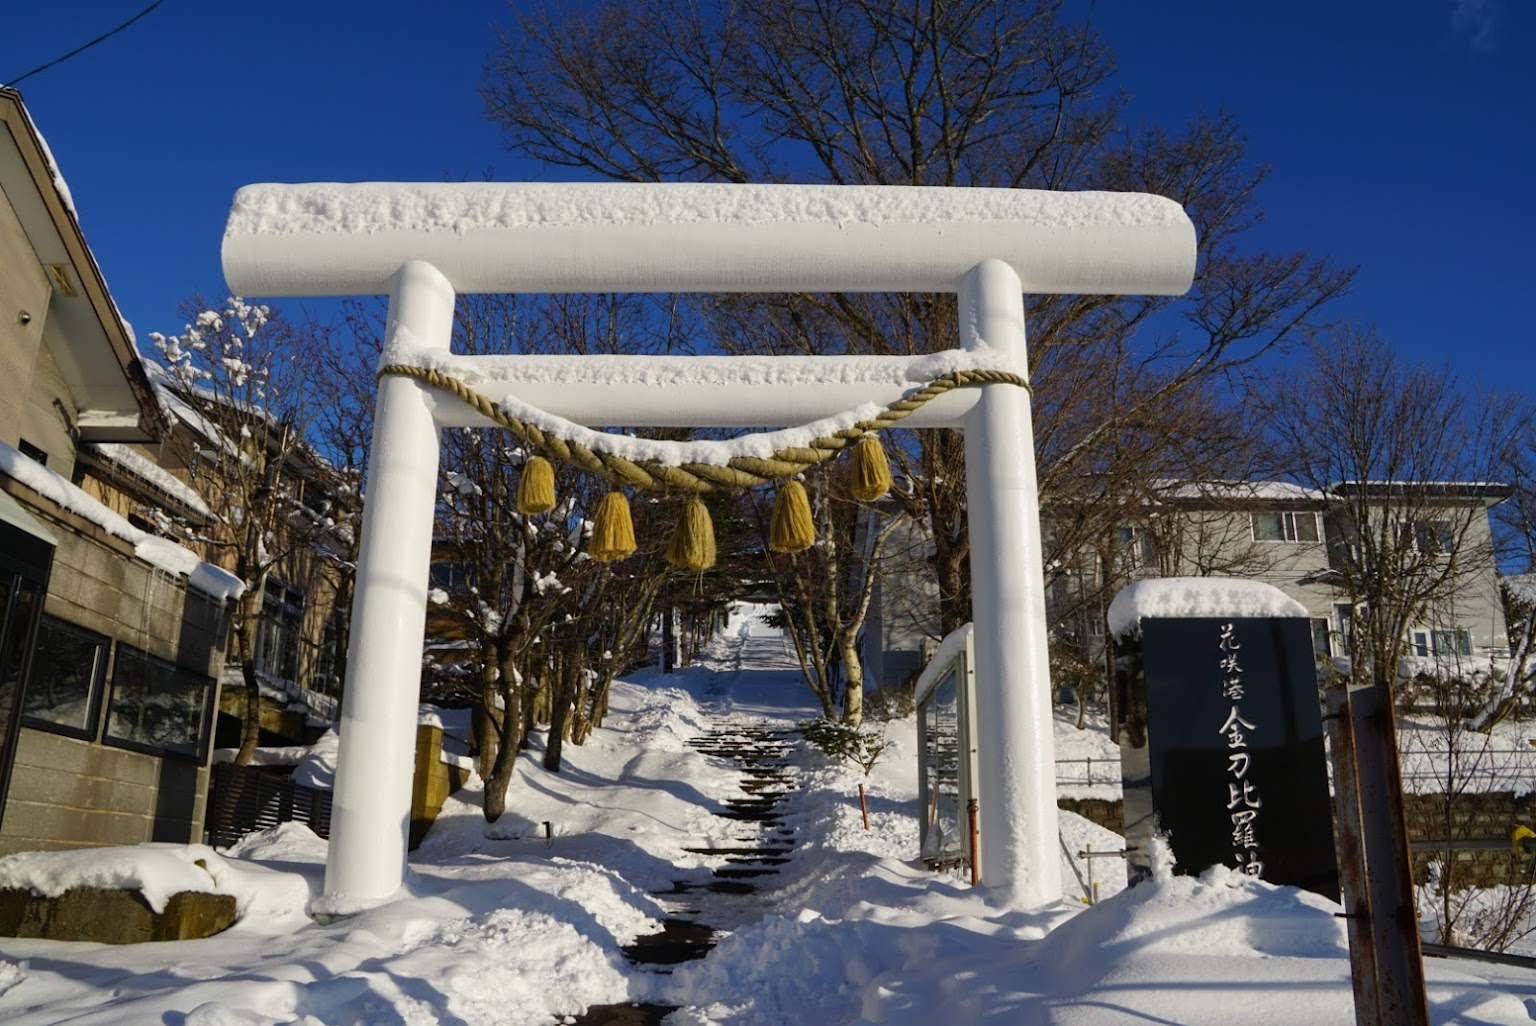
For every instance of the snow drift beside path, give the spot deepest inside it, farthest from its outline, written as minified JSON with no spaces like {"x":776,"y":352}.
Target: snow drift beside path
{"x":501,"y":925}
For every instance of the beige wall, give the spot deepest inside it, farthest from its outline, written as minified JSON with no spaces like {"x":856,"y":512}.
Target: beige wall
{"x":69,"y":793}
{"x":23,"y":286}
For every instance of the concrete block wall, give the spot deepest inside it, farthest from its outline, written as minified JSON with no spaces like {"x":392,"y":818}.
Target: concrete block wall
{"x":69,"y":792}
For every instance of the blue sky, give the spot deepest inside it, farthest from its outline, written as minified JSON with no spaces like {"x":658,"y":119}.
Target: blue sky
{"x":1401,"y":136}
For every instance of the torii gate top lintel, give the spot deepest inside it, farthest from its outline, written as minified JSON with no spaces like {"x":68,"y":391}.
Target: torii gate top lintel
{"x":350,"y":239}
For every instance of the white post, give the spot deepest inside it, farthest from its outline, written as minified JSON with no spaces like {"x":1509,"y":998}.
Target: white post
{"x":1016,"y":750}
{"x":370,"y":816}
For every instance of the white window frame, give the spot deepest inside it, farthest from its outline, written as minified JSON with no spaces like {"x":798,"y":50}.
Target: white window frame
{"x":1288,"y":522}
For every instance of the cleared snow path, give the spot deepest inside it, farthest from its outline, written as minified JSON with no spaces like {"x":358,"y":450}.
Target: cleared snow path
{"x":752,"y":702}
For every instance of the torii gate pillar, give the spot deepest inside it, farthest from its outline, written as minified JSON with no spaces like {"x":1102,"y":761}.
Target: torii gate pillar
{"x":1015,"y":744}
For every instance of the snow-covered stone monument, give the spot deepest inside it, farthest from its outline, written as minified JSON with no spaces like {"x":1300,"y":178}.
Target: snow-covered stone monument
{"x":425,"y":244}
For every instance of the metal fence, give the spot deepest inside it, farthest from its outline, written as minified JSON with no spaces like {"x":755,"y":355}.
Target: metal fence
{"x":1490,"y":769}
{"x":242,"y":799}
{"x":1090,"y":772}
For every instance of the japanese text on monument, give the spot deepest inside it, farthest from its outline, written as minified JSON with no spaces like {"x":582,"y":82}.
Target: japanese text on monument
{"x":1243,"y":802}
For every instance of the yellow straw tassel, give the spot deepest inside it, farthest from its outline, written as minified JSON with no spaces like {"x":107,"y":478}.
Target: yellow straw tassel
{"x":871,"y":472}
{"x":791,"y":529}
{"x":693,"y":540}
{"x":613,"y":532}
{"x":536,"y":486}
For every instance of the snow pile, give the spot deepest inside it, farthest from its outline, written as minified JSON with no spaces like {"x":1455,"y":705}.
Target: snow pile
{"x":1196,"y":596}
{"x":157,"y":871}
{"x":160,"y":552}
{"x":316,"y":767}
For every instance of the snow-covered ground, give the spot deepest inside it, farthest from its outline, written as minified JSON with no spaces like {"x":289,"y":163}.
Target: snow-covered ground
{"x":506,"y":926}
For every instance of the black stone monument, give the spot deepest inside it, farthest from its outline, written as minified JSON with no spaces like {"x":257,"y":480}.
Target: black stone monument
{"x":1222,"y":748}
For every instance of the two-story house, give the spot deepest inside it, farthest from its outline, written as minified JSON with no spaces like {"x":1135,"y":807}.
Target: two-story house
{"x":1303,"y":541}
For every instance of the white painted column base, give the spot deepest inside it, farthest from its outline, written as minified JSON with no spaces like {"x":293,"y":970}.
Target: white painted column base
{"x":1016,"y":749}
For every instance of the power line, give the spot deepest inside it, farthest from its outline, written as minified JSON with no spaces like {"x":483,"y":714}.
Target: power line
{"x":87,"y":46}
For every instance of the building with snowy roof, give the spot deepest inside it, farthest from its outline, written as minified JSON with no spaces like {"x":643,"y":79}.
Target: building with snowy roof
{"x":1300,"y":540}
{"x":111,"y":636}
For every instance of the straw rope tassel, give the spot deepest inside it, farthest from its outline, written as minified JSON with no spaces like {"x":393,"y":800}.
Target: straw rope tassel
{"x":536,"y":486}
{"x":871,"y":471}
{"x":693,"y":540}
{"x":791,"y":528}
{"x":613,"y":531}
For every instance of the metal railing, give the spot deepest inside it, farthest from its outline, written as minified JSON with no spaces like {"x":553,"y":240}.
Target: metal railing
{"x":1093,"y":772}
{"x":242,"y":799}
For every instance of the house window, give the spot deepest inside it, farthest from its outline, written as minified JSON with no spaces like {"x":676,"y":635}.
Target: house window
{"x":1133,"y":546}
{"x":31,"y":452}
{"x":156,"y":707}
{"x":279,"y":632}
{"x":1451,"y":643}
{"x":1442,"y":644}
{"x":64,"y":683}
{"x":1345,"y":614}
{"x":452,"y":577}
{"x":1428,"y":537}
{"x":1285,"y":527}
{"x":326,"y":678}
{"x":1322,"y":644}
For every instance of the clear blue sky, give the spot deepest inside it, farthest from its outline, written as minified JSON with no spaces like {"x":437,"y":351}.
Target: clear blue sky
{"x":1402,"y":136}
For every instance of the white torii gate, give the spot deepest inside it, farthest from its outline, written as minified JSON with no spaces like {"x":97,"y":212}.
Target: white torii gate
{"x":424,"y":244}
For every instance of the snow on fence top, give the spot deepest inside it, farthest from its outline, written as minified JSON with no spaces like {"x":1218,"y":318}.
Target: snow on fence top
{"x":345,"y":239}
{"x":1196,"y":596}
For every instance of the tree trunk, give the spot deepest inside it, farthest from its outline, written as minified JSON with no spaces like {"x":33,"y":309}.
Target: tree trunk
{"x":853,"y":680}
{"x":483,"y":721}
{"x":246,"y":616}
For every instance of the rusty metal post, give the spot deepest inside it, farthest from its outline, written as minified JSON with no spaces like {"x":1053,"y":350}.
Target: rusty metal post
{"x":1399,"y":959}
{"x":973,"y":815}
{"x":1352,"y":871}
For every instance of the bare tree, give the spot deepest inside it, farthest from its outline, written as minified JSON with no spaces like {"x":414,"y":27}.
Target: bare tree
{"x":1409,"y":462}
{"x":235,"y":379}
{"x":975,"y":93}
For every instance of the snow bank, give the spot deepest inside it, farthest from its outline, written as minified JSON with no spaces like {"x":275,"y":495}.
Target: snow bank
{"x":1196,"y":596}
{"x":157,"y":871}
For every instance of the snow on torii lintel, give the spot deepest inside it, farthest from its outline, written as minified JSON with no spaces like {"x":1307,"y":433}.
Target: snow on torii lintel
{"x":1196,"y":596}
{"x":339,"y":239}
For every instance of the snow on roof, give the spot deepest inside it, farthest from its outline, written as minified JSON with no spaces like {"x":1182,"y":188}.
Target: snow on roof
{"x":65,"y":196}
{"x":1273,"y":491}
{"x":141,"y":466}
{"x":157,"y":551}
{"x":1196,"y":596}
